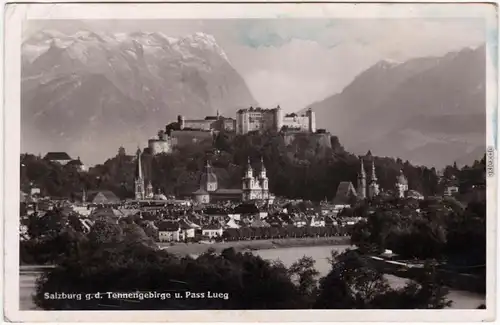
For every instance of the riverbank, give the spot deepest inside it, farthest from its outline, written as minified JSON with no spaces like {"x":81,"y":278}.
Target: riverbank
{"x":252,"y":245}
{"x":455,"y":280}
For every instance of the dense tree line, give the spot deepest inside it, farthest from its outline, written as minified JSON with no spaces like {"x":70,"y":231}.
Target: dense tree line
{"x":111,"y":259}
{"x":53,"y":235}
{"x":304,"y":168}
{"x":441,"y":229}
{"x":287,"y":231}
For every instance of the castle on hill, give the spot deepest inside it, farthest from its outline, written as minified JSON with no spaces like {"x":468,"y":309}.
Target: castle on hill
{"x":258,"y":119}
{"x":185,"y":131}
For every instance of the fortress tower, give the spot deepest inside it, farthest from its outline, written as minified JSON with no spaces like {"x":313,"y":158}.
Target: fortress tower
{"x":278,"y":118}
{"x":312,"y":120}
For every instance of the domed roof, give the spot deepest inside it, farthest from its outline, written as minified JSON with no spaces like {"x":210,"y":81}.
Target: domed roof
{"x":402,"y":178}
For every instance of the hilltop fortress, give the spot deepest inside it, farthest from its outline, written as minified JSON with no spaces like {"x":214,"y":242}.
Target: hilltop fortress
{"x":185,"y":131}
{"x":258,"y":119}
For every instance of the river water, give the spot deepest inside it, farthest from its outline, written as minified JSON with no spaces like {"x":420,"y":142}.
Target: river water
{"x":461,"y":299}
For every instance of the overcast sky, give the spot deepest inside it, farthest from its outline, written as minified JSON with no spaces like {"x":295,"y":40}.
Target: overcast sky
{"x":295,"y":62}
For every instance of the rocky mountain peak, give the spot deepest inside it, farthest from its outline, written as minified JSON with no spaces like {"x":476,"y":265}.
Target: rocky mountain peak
{"x":427,"y":110}
{"x":111,"y":88}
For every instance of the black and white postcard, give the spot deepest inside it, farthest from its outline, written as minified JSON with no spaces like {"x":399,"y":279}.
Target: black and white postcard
{"x":250,"y":162}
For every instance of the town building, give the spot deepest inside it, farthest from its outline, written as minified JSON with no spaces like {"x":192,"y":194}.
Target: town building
{"x":411,"y":194}
{"x":212,"y":231}
{"x":451,"y":190}
{"x":169,"y":231}
{"x":59,"y":157}
{"x":78,"y":165}
{"x":100,"y":197}
{"x":259,"y":119}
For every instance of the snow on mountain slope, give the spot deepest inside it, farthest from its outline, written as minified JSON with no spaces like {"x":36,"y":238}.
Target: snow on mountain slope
{"x":151,"y":73}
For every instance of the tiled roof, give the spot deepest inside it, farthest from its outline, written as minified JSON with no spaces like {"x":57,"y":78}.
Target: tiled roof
{"x":246,"y":208}
{"x":57,"y":156}
{"x":185,"y":225}
{"x":344,"y":192}
{"x":103,"y":196}
{"x":213,"y":226}
{"x":168,"y":226}
{"x":259,"y":224}
{"x":228,"y":191}
{"x":200,"y":191}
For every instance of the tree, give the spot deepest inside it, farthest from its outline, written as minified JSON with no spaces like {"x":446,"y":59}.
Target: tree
{"x":305,"y":275}
{"x":105,"y":231}
{"x":351,"y":283}
{"x":354,"y":283}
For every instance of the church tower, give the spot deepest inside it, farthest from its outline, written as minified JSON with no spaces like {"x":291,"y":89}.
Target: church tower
{"x":373,"y":189}
{"x":209,"y":180}
{"x":139,"y":180}
{"x":149,"y":191}
{"x":362,"y":182}
{"x":263,"y":180}
{"x":248,"y":183}
{"x":401,"y":185}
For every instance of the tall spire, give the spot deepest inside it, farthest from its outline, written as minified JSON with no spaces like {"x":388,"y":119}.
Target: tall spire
{"x":138,"y":171}
{"x":374,"y":175}
{"x":362,"y":173}
{"x":139,"y":181}
{"x":361,"y":190}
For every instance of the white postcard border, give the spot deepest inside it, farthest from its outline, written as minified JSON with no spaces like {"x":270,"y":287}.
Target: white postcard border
{"x":17,"y":13}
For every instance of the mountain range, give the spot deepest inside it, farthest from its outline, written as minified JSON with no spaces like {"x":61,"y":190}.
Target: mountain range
{"x":88,"y":92}
{"x":430,"y":111}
